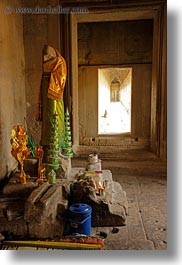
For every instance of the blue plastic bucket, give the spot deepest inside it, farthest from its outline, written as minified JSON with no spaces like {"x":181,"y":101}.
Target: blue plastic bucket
{"x":80,"y":218}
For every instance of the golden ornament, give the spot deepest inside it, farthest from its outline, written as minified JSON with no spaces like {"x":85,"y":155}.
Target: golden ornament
{"x":20,"y":151}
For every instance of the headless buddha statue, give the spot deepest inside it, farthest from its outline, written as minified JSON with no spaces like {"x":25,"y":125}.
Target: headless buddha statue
{"x":51,"y":95}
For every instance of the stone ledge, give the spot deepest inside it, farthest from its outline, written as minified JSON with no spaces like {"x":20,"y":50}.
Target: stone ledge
{"x":14,"y":188}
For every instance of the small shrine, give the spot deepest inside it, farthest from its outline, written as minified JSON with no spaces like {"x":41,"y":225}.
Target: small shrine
{"x":83,"y":124}
{"x":39,"y":209}
{"x":39,"y":196}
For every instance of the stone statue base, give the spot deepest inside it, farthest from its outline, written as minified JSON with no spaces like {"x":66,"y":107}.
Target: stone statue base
{"x":42,"y":210}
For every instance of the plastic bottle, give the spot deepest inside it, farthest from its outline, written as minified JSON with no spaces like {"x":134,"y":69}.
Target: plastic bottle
{"x":52,"y":177}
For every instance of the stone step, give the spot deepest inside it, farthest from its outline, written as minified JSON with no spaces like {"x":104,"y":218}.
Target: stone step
{"x":137,"y":168}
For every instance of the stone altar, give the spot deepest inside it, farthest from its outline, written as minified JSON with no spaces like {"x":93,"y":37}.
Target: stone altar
{"x":42,"y":212}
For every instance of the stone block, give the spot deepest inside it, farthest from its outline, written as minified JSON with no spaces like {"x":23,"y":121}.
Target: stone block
{"x":42,"y":202}
{"x":14,"y":188}
{"x":109,"y":209}
{"x":45,"y":211}
{"x":49,"y":228}
{"x":13,"y":228}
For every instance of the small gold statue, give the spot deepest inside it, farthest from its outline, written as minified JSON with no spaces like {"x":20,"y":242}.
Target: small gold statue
{"x":20,"y":151}
{"x":41,"y":170}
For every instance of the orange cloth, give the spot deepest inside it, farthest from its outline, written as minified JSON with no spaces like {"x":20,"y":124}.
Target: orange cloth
{"x":57,"y":78}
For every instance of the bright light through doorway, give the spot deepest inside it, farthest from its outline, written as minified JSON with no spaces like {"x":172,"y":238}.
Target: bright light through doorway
{"x":114,"y":88}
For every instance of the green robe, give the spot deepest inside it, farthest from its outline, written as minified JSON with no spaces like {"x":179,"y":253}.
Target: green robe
{"x":49,"y":107}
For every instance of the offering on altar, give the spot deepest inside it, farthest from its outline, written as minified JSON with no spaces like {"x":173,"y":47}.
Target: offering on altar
{"x":41,"y":169}
{"x":20,"y":151}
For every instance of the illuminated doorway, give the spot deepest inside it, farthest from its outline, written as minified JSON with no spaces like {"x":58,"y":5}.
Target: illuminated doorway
{"x":114,"y":100}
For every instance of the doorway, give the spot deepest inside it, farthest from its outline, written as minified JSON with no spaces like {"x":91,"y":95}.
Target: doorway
{"x":144,"y":112}
{"x":114,"y":100}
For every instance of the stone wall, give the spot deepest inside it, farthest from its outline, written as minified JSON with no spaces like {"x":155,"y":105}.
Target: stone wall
{"x":119,"y":44}
{"x":39,"y":30}
{"x":115,"y":43}
{"x":12,"y":80}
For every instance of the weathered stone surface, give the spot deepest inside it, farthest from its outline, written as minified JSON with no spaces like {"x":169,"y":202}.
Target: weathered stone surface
{"x":12,"y":82}
{"x":42,"y":202}
{"x":129,"y":244}
{"x":14,"y":228}
{"x":109,"y":209}
{"x":45,"y":211}
{"x":128,"y":163}
{"x":146,"y":218}
{"x":111,"y":212}
{"x":42,"y":215}
{"x":122,"y":232}
{"x":31,"y":209}
{"x":47,"y":31}
{"x":49,"y":228}
{"x":31,"y":166}
{"x":14,"y":211}
{"x":14,"y":188}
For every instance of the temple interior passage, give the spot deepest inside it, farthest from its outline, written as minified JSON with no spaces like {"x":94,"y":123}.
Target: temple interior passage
{"x":83,"y":125}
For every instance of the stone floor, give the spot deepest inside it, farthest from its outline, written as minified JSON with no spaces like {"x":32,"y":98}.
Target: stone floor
{"x":145,"y":182}
{"x":146,"y":227}
{"x":146,"y":192}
